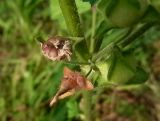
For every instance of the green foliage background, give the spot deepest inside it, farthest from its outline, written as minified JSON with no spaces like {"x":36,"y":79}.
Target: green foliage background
{"x":27,"y":79}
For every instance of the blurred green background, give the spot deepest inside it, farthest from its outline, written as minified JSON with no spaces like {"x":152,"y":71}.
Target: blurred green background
{"x":28,"y":80}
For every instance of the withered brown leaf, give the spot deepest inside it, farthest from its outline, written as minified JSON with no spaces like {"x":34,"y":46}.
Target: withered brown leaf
{"x":70,"y":84}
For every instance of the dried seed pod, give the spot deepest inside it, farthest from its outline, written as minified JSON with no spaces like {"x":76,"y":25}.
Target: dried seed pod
{"x":71,"y":82}
{"x":57,"y":48}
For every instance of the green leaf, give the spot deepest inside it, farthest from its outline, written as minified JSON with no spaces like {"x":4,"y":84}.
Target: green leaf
{"x":115,"y":35}
{"x":82,"y":7}
{"x":112,"y":66}
{"x":100,"y":32}
{"x":151,"y":15}
{"x":121,"y":73}
{"x":73,"y":110}
{"x":80,"y":47}
{"x":140,"y":77}
{"x":2,"y":103}
{"x":156,"y":4}
{"x":60,"y":112}
{"x":110,"y":7}
{"x":135,"y":3}
{"x":122,"y":13}
{"x":90,"y":1}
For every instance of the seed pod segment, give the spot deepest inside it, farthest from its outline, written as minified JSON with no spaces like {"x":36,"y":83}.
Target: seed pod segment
{"x":57,"y":48}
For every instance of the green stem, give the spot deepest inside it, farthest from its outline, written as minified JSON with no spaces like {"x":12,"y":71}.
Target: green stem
{"x":71,"y":16}
{"x":92,"y":40}
{"x":87,"y":99}
{"x":137,"y":33}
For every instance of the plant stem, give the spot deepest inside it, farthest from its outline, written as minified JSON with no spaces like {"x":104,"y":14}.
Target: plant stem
{"x":87,"y":105}
{"x":71,"y":16}
{"x":136,"y":34}
{"x":92,"y":40}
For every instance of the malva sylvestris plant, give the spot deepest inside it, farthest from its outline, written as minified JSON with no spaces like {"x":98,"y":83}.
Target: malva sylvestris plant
{"x":102,"y":63}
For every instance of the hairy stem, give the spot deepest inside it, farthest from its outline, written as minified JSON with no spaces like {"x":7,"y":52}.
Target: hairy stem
{"x":71,"y":16}
{"x":70,"y":13}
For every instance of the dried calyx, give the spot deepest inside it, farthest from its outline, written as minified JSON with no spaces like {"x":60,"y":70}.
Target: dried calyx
{"x":57,"y":48}
{"x":71,"y":83}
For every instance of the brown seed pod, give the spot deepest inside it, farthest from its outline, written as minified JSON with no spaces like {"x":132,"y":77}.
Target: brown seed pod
{"x":71,"y":82}
{"x":57,"y":48}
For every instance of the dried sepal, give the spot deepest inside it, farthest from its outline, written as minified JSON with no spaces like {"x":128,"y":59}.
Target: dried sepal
{"x":57,"y":48}
{"x":71,"y":83}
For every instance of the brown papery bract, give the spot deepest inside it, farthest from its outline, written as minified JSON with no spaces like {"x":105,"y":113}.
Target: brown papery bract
{"x":71,"y":83}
